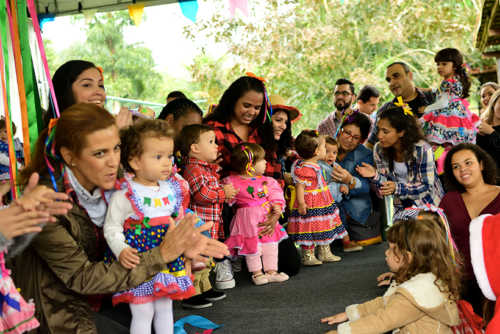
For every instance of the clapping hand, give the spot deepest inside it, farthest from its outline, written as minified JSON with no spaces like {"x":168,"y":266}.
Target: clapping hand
{"x":43,"y":199}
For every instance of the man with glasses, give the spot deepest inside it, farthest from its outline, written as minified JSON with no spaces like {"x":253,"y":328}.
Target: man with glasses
{"x":400,"y":80}
{"x":343,"y":97}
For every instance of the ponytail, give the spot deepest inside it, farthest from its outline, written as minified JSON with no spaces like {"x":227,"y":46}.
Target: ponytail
{"x":464,"y":79}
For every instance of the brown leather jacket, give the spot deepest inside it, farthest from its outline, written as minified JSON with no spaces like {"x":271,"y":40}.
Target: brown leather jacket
{"x":64,"y":264}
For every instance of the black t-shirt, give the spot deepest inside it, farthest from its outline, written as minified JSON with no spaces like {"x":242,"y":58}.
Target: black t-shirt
{"x":422,"y":99}
{"x":491,"y":144}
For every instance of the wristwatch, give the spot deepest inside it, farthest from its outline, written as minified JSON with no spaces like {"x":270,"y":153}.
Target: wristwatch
{"x":352,"y":183}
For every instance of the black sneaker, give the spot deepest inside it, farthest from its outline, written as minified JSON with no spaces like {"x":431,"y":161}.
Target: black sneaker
{"x":196,"y":302}
{"x":213,"y":296}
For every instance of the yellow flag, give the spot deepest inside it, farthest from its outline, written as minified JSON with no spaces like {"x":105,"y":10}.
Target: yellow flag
{"x":135,"y":11}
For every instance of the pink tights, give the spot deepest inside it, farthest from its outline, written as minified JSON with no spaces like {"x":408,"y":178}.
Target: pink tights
{"x":269,"y":254}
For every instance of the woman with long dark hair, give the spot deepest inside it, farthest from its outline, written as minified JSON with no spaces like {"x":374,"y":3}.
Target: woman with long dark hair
{"x":470,"y":175}
{"x":405,"y":162}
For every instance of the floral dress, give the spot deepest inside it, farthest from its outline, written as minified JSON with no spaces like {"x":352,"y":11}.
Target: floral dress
{"x":253,"y":201}
{"x":145,"y":229}
{"x":448,"y":121}
{"x":16,"y":315}
{"x":321,"y":224}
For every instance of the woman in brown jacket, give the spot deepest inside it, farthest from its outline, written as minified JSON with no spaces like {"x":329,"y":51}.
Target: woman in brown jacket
{"x":63,"y":268}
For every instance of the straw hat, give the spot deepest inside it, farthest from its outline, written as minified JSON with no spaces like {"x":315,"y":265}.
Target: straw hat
{"x":277,"y":102}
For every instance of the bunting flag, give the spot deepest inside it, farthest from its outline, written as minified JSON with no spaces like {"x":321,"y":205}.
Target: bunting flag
{"x":242,"y":5}
{"x":189,"y":8}
{"x":135,"y":11}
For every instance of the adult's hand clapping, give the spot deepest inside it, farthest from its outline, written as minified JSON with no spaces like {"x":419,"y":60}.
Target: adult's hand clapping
{"x":37,"y":206}
{"x":185,"y":238}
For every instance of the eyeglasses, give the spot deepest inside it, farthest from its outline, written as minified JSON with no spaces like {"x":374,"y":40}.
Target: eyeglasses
{"x":350,"y":135}
{"x":343,"y":93}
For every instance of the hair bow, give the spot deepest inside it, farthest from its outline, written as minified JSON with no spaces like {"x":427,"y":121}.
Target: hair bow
{"x":99,"y":68}
{"x":406,"y":108}
{"x":249,"y":167}
{"x":412,"y":212}
{"x":252,"y":75}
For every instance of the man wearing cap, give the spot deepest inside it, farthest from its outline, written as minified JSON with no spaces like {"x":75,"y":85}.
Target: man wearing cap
{"x":343,"y":97}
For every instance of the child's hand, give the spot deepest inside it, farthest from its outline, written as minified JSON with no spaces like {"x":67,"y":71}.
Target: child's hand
{"x":385,"y":278}
{"x":344,"y":189}
{"x":335,"y":319}
{"x":302,"y":209}
{"x":14,"y":221}
{"x":128,"y":258}
{"x":230,"y":191}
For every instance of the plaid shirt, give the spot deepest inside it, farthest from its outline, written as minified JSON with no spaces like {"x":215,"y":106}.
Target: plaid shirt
{"x":207,"y":194}
{"x":274,"y":168}
{"x":422,"y":186}
{"x":227,"y":139}
{"x":329,"y":125}
{"x":423,"y":99}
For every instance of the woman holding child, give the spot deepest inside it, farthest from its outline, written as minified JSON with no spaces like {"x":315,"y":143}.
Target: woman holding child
{"x":63,"y":269}
{"x":356,"y":206}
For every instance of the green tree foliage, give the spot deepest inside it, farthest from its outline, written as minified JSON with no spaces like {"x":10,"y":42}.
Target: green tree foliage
{"x":129,"y":69}
{"x":302,"y":47}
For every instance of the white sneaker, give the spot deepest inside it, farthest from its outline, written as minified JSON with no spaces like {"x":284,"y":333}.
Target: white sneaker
{"x":224,"y":275}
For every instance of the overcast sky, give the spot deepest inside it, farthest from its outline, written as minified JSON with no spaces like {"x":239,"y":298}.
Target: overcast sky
{"x":161,"y":32}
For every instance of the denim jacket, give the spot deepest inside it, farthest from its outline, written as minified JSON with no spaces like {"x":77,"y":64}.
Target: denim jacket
{"x":357,"y":204}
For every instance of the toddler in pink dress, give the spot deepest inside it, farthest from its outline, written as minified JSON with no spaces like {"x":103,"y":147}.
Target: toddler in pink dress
{"x":259,"y":199}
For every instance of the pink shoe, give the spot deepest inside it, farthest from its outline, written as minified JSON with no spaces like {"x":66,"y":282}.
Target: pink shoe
{"x":260,"y":279}
{"x":277,"y":277}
